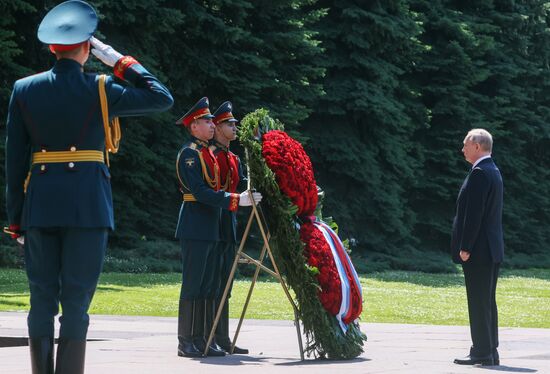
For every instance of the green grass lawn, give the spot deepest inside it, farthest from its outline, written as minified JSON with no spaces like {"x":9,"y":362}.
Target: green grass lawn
{"x":523,"y":297}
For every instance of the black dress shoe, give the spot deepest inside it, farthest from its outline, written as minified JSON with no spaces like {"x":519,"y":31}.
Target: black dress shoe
{"x":214,"y":350}
{"x":188,"y":349}
{"x":236,"y":350}
{"x":473,"y":360}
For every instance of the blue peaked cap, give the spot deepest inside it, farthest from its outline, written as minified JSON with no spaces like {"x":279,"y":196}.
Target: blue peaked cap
{"x":224,"y":113}
{"x":71,"y":22}
{"x":199,"y":110}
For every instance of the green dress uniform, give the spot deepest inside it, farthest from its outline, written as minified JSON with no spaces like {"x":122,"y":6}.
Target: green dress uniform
{"x":231,"y":178}
{"x":58,"y":190}
{"x":198,"y":232}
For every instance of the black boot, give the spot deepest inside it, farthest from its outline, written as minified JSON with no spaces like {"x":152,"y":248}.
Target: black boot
{"x":222,"y":332}
{"x":185,"y":329}
{"x":213,"y":350}
{"x":70,"y":357}
{"x":41,"y":355}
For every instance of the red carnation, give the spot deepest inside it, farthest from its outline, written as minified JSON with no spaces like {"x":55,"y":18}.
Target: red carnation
{"x":294,"y":175}
{"x":293,"y":170}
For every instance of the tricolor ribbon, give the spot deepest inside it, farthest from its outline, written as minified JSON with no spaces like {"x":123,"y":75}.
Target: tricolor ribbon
{"x":348,"y":311}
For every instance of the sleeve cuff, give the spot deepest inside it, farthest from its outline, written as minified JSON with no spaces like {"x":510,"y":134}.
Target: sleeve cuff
{"x":122,"y":65}
{"x":234,"y":202}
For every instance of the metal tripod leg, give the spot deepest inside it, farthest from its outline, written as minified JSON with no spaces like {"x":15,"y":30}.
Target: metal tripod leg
{"x":245,"y":307}
{"x":280,"y":278}
{"x":259,"y":266}
{"x":228,"y":285}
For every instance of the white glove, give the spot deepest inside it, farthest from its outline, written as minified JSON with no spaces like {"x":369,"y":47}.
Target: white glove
{"x":21,"y":240}
{"x":104,"y":52}
{"x":244,"y":198}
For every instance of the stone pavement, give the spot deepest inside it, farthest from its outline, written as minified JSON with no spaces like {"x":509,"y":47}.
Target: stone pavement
{"x":124,"y":345}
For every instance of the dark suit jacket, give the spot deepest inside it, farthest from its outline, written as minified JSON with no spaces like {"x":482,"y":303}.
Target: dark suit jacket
{"x":477,"y":226}
{"x":56,"y":110}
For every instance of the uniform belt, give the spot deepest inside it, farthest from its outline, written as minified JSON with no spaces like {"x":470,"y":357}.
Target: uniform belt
{"x":67,"y":156}
{"x":189,"y":197}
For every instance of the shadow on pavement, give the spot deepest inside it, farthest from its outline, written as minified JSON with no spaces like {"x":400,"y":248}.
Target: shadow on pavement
{"x":234,"y":360}
{"x":509,"y":369}
{"x":323,"y":362}
{"x":231,"y":360}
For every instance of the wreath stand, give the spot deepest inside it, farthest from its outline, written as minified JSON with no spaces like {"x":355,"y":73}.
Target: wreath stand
{"x":242,"y":257}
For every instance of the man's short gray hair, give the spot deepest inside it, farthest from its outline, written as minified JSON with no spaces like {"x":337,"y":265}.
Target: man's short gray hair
{"x":481,"y":137}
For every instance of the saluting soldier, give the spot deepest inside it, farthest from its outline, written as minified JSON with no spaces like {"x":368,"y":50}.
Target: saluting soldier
{"x":58,"y":191}
{"x":231,"y":177}
{"x":198,"y":230}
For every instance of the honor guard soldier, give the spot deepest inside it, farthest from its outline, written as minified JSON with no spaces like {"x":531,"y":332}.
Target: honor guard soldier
{"x":198,"y":230}
{"x":58,"y":191}
{"x":231,"y":176}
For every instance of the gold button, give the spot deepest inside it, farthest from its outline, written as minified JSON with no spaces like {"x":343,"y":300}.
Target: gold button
{"x":73,"y":148}
{"x":71,"y":165}
{"x":42,"y":167}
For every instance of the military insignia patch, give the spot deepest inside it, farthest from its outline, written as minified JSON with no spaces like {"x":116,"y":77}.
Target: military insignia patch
{"x":189,"y":162}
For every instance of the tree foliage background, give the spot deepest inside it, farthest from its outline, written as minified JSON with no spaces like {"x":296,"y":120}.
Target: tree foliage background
{"x":380,"y":92}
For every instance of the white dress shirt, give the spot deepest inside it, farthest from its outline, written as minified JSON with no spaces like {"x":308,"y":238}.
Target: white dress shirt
{"x":479,"y":160}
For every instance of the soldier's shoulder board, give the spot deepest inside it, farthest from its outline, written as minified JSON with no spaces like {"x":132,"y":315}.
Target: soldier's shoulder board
{"x":188,"y":147}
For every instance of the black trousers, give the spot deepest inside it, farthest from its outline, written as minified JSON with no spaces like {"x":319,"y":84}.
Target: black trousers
{"x":481,"y":284}
{"x":226,"y":252}
{"x":200,"y":269}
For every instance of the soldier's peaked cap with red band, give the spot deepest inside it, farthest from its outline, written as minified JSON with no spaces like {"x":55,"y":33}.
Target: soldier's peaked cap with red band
{"x":68,"y":24}
{"x":223,"y":113}
{"x":199,"y":110}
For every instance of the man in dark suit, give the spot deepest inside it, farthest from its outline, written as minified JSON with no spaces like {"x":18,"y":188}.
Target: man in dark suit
{"x":477,"y":243}
{"x":58,"y":191}
{"x":198,"y":230}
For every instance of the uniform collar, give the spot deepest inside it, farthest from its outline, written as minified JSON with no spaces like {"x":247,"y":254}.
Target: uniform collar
{"x":197,"y":141}
{"x":221,"y":146}
{"x":67,"y":64}
{"x":479,"y":160}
